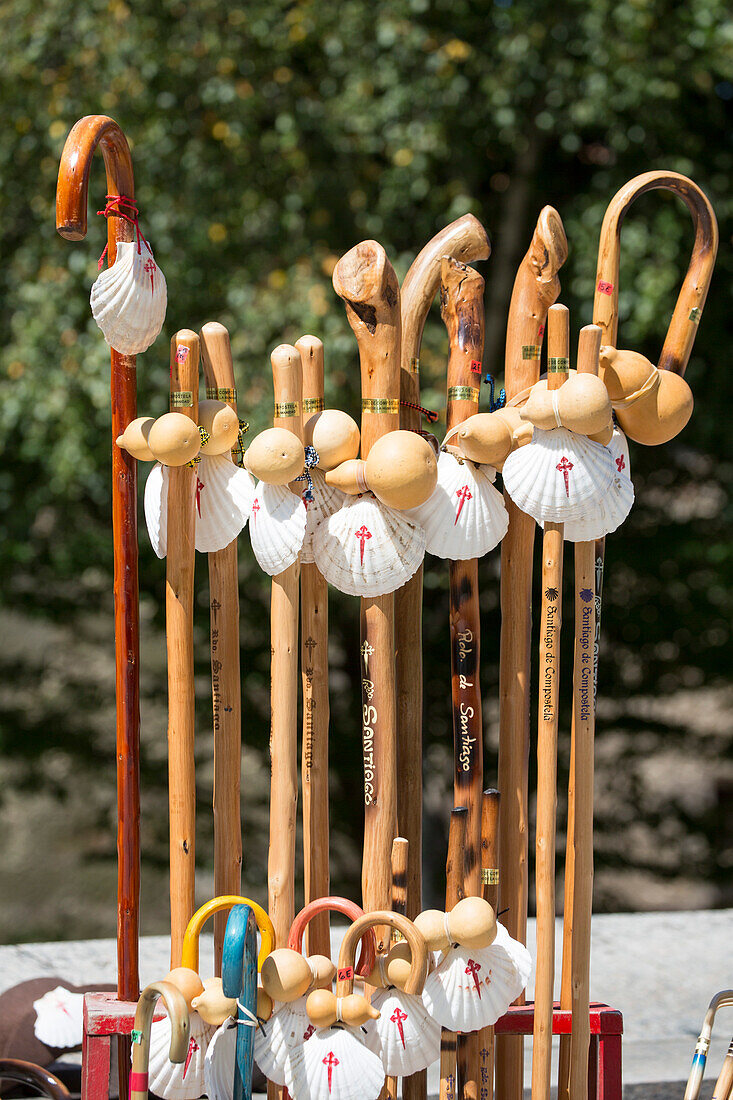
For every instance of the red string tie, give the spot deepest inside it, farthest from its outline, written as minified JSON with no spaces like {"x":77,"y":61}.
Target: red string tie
{"x":119,"y":206}
{"x":429,"y":415}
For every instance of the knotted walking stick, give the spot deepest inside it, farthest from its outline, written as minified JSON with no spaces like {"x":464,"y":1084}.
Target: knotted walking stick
{"x":366,"y":281}
{"x":536,"y":287}
{"x":314,"y":673}
{"x":225,"y":679}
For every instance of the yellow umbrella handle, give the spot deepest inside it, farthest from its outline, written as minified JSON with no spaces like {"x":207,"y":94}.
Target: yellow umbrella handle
{"x":190,"y":950}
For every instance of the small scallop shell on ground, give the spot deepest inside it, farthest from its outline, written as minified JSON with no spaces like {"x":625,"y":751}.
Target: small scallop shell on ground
{"x":276,"y":527}
{"x":129,"y":299}
{"x":224,"y":497}
{"x":334,"y":1065}
{"x":465,"y":516}
{"x":471,"y":989}
{"x":156,"y":508}
{"x":168,"y":1079}
{"x":59,"y":1019}
{"x":220,"y":1062}
{"x":405,"y":1037}
{"x":274,"y":1039}
{"x":558,"y":476}
{"x":368,"y":549}
{"x":327,"y":499}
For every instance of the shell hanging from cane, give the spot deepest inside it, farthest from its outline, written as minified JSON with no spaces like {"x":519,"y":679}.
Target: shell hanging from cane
{"x":277,"y":527}
{"x":473,"y":987}
{"x":168,"y":1079}
{"x":286,"y":1028}
{"x":129,"y":299}
{"x":611,"y":511}
{"x":220,"y":1062}
{"x":558,"y":476}
{"x":405,"y":1037}
{"x":465,"y":516}
{"x":59,"y":1018}
{"x":368,"y":549}
{"x":327,"y":499}
{"x":224,"y":497}
{"x":334,"y":1064}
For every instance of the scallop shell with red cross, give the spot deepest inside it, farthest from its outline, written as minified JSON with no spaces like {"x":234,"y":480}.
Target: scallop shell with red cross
{"x":327,"y":499}
{"x":274,"y":1039}
{"x":129,"y":299}
{"x":59,"y":1018}
{"x":276,"y":527}
{"x":334,"y":1064}
{"x":168,"y":1079}
{"x":405,"y":1036}
{"x":472,"y":988}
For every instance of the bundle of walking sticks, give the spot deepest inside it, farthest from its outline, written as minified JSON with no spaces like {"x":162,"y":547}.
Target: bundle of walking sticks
{"x":328,"y":501}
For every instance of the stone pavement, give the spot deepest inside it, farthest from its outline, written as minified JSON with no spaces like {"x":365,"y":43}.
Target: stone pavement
{"x":659,"y":969}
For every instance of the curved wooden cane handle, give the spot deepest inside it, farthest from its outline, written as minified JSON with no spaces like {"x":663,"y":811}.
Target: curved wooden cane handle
{"x":418,"y":948}
{"x":73,"y":180}
{"x":350,"y":909}
{"x":688,"y":309}
{"x":177,"y":1010}
{"x":190,"y":950}
{"x":28,"y":1073}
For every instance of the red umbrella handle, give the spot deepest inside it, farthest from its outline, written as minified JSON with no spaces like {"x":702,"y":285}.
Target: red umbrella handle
{"x":350,"y":909}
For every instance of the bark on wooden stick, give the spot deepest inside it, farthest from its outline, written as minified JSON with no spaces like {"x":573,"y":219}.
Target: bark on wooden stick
{"x":226,"y":686}
{"x":366,"y":281}
{"x":179,"y":643}
{"x":314,"y":673}
{"x":536,"y":287}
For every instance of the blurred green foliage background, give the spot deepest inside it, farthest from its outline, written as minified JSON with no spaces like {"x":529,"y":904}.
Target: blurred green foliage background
{"x":267,"y":139}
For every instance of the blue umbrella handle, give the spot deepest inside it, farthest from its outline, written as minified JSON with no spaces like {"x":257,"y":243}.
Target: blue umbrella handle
{"x":239,"y":979}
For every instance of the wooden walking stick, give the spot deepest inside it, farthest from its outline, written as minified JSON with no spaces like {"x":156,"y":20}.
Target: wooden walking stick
{"x":400,"y":864}
{"x":71,"y":223}
{"x":287,"y":383}
{"x":558,"y":350}
{"x":536,"y":287}
{"x":314,"y":673}
{"x":179,"y":570}
{"x":366,"y":281}
{"x":462,"y":310}
{"x":454,"y":877}
{"x":723,"y":998}
{"x":724,"y":1084}
{"x":225,"y":679}
{"x":490,"y":892}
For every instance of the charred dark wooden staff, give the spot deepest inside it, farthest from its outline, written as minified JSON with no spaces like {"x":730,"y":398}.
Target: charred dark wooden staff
{"x":365,"y":279}
{"x":490,"y":891}
{"x":536,"y":287}
{"x":675,"y":355}
{"x":462,"y":310}
{"x":314,"y":674}
{"x":226,"y":690}
{"x":71,"y":223}
{"x":558,"y":351}
{"x":454,"y":878}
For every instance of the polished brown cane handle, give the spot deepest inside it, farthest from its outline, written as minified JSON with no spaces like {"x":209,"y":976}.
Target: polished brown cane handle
{"x":177,"y":1009}
{"x":349,"y":909}
{"x":27,"y":1073}
{"x":683,"y":327}
{"x":418,"y":947}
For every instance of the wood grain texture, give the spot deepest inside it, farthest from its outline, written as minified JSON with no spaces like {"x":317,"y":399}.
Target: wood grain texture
{"x":365,"y":280}
{"x":180,"y":561}
{"x":558,"y":346}
{"x":71,"y":223}
{"x":226,"y":689}
{"x":400,"y":862}
{"x":454,"y":880}
{"x":490,"y":891}
{"x":536,"y":287}
{"x":314,"y":675}
{"x":284,"y":614}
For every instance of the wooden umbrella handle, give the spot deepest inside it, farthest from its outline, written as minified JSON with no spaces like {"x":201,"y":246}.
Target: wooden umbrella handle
{"x":71,"y":223}
{"x":418,"y":949}
{"x":688,"y":309}
{"x":334,"y":904}
{"x":190,"y":951}
{"x":177,"y":1009}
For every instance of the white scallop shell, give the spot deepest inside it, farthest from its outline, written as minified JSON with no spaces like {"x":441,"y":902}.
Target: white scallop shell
{"x":471,"y":989}
{"x":465,"y":516}
{"x":277,"y":527}
{"x":224,"y":497}
{"x":129,"y":299}
{"x":59,"y":1019}
{"x":368,"y":549}
{"x":327,"y":499}
{"x":168,"y":1079}
{"x":156,"y":508}
{"x":276,"y":1037}
{"x":619,"y":447}
{"x":611,"y":511}
{"x":220,"y":1062}
{"x":405,"y":1037}
{"x":558,"y":475}
{"x":356,"y":1073}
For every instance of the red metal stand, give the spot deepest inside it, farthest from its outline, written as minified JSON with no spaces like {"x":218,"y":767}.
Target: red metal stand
{"x":104,"y":1016}
{"x":604,"y":1058}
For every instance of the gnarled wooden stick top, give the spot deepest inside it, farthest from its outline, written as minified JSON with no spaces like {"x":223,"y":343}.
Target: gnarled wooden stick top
{"x":462,"y":310}
{"x":73,"y":179}
{"x":688,"y":309}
